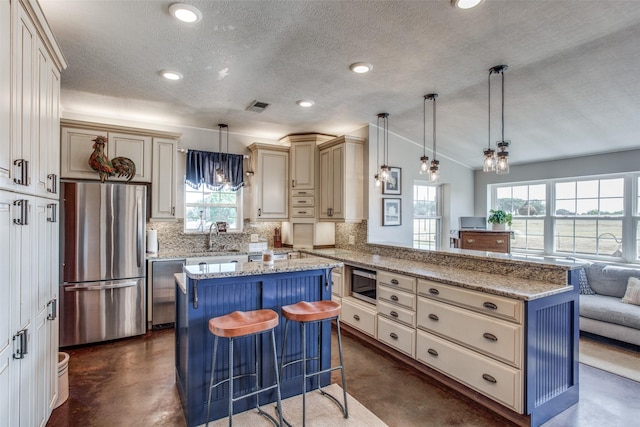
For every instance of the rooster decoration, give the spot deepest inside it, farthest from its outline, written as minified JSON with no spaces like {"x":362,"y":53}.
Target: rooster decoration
{"x":120,"y":166}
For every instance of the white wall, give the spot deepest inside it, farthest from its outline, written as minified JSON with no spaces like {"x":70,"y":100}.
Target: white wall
{"x":457,"y":183}
{"x":619,"y":162}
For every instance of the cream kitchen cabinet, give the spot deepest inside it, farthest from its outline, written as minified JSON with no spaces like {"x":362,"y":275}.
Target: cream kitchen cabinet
{"x":270,"y":182}
{"x":77,"y":146}
{"x":163,"y":189}
{"x":6,"y":148}
{"x":341,"y":179}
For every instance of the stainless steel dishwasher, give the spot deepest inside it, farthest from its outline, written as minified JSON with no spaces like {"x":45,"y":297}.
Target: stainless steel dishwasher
{"x":163,"y":291}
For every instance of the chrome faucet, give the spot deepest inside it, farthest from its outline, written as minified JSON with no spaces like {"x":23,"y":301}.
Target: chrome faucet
{"x":211,"y":227}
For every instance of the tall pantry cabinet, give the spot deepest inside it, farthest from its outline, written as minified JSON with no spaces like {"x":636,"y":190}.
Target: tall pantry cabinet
{"x":30,"y":65}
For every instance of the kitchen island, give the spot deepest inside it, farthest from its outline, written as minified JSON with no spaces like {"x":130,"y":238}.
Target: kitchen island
{"x":211,"y":290}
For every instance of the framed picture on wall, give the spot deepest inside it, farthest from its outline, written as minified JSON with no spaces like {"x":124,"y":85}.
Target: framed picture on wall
{"x":391,"y":211}
{"x":393,"y":185}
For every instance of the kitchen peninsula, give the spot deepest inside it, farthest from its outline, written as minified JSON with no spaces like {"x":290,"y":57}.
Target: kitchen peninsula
{"x":211,"y":290}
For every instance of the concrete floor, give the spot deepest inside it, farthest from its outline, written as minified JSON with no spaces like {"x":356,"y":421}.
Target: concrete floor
{"x":132,"y":382}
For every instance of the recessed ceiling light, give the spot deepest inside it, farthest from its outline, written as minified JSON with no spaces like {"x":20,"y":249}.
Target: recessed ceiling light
{"x":171,"y":75}
{"x":361,"y":67}
{"x":465,"y":4}
{"x":185,"y":12}
{"x":306,"y":103}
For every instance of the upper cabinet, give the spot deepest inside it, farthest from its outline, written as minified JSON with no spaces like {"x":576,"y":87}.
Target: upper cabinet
{"x":269,"y":183}
{"x":77,"y":146}
{"x":341,"y":179}
{"x":163,"y":189}
{"x":6,"y":158}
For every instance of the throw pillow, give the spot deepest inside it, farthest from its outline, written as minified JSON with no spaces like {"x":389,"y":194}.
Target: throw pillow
{"x":632,"y":295}
{"x":585,"y":289}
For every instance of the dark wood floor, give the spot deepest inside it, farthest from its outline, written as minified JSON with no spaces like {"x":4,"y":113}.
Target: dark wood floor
{"x":131,"y":382}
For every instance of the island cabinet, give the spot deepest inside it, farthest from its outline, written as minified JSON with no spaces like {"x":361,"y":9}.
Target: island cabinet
{"x":205,"y":298}
{"x":341,"y":179}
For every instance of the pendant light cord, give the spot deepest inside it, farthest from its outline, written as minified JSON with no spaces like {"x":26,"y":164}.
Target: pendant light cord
{"x":434,"y":127}
{"x":424,"y":127}
{"x":489,"y":110}
{"x":501,"y":72}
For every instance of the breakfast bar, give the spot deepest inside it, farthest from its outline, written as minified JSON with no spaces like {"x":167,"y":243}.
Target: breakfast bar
{"x":211,"y":290}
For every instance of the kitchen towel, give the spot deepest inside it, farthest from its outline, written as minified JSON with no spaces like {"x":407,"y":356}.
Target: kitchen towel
{"x":152,"y":241}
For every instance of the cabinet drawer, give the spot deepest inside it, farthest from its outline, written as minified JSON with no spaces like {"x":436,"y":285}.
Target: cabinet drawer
{"x":397,"y":281}
{"x":302,"y":193}
{"x":486,"y":241}
{"x":302,"y":201}
{"x":396,"y":313}
{"x":336,"y":282}
{"x":397,"y":336}
{"x":492,"y":305}
{"x":359,"y":315}
{"x":396,"y":296}
{"x":309,"y":212}
{"x":494,"y":337}
{"x":494,"y":379}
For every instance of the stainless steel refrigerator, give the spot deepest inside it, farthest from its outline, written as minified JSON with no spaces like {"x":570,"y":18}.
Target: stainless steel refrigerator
{"x":102,"y":295}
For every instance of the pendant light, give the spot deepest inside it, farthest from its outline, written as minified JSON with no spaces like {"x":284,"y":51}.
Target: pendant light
{"x":434,"y":174}
{"x":383,"y":175}
{"x":424,"y":160}
{"x":498,"y":162}
{"x":220,"y":177}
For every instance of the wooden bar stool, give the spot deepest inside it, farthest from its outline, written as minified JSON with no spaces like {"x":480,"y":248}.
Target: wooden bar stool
{"x":242,"y":324}
{"x":306,"y":313}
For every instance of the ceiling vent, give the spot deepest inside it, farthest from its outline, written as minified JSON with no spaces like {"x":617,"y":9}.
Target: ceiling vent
{"x":257,"y":106}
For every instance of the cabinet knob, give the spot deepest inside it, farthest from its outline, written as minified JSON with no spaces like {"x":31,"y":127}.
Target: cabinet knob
{"x":393,"y":335}
{"x":470,"y":240}
{"x":499,"y":242}
{"x":433,"y":317}
{"x":393,"y":314}
{"x":434,"y":291}
{"x":489,"y":305}
{"x":432,"y":352}
{"x":490,"y":337}
{"x":356,"y":317}
{"x":394,"y":298}
{"x":489,"y":378}
{"x":394,"y":282}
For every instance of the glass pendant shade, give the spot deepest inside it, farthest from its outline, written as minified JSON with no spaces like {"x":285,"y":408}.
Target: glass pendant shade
{"x":502,"y":163}
{"x":489,"y":163}
{"x":434,"y":172}
{"x":424,"y":166}
{"x":220,"y":177}
{"x":378,"y":181}
{"x":493,"y":161}
{"x":383,"y":174}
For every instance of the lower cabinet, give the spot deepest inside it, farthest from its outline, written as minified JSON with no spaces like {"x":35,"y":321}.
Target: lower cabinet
{"x":395,"y":335}
{"x":360,"y":315}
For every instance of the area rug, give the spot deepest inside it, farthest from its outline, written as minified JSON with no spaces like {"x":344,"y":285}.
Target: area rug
{"x":619,"y":361}
{"x":321,"y":412}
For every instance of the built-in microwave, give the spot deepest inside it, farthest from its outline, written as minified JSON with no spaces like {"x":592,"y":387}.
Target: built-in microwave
{"x":363,"y":285}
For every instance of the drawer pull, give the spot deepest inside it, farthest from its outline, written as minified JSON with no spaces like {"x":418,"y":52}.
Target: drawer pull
{"x":433,"y":317}
{"x":302,"y":212}
{"x":432,"y":352}
{"x":393,"y":298}
{"x":394,"y":282}
{"x":470,"y":240}
{"x":304,"y":201}
{"x":489,"y":378}
{"x":499,"y":242}
{"x":434,"y":291}
{"x":393,"y":314}
{"x":393,"y":335}
{"x":490,"y":305}
{"x":356,"y":317}
{"x":490,"y":337}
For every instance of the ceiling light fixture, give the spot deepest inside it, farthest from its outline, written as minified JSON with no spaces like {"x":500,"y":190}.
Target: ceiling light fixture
{"x":434,"y":174}
{"x":171,"y":75}
{"x":220,"y":177}
{"x":185,"y":12}
{"x":498,"y":162}
{"x":424,"y":160}
{"x":306,"y":103}
{"x":465,"y":4}
{"x":383,"y":175}
{"x":361,"y":67}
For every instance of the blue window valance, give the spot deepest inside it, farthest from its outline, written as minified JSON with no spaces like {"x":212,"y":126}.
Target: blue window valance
{"x":202,"y":165}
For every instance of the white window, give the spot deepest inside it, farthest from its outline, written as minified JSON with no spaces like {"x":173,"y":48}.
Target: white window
{"x":204,"y":206}
{"x":589,"y":217}
{"x":527,"y":203}
{"x":426,"y":216}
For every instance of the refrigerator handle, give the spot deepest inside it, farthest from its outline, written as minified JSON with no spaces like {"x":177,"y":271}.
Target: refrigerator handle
{"x":98,"y":286}
{"x":140,"y":231}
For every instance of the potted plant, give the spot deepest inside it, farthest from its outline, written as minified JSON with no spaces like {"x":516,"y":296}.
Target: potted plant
{"x":498,"y":218}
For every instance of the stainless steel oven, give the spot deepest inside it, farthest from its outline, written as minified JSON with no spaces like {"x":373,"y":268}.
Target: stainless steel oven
{"x":363,"y":285}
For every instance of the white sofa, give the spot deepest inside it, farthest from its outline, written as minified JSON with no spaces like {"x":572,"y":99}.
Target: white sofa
{"x":604,"y":313}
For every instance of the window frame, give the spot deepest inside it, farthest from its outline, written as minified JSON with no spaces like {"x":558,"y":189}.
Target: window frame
{"x":238,"y":206}
{"x":437,"y":217}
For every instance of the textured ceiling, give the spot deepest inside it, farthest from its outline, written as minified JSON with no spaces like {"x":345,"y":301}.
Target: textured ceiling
{"x":572,"y":87}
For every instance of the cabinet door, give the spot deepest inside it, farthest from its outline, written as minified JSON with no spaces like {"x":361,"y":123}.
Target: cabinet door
{"x":332,"y":183}
{"x":326,"y":183}
{"x":6,"y":148}
{"x":76,"y":146}
{"x":23,"y":83}
{"x":303,"y":165}
{"x":273,"y":179}
{"x":42,"y":144}
{"x":163,"y":183}
{"x":8,"y":399}
{"x":135,"y":147}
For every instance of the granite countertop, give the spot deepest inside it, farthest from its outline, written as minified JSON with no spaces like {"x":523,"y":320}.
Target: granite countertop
{"x":181,"y":280}
{"x":235,"y":269}
{"x":168,"y":254}
{"x":497,"y":284}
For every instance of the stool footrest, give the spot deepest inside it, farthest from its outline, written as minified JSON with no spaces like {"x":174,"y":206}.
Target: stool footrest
{"x":253,"y":393}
